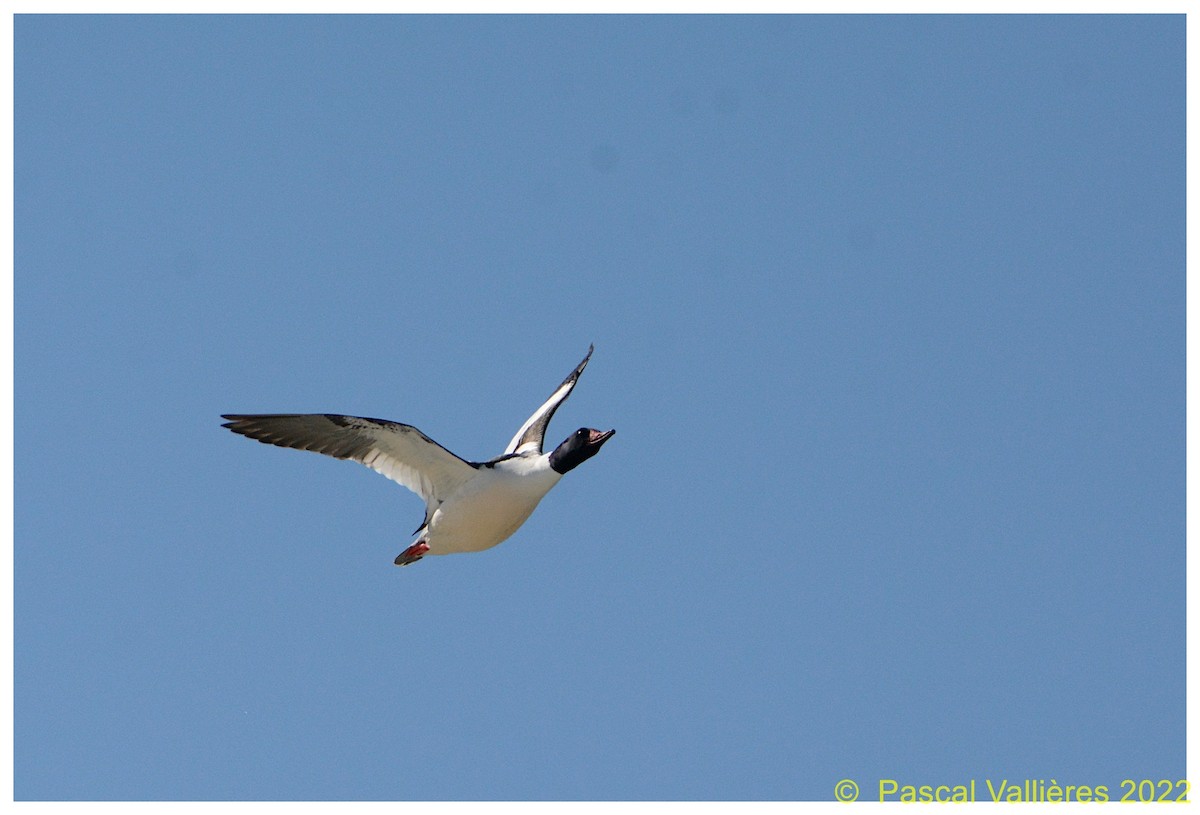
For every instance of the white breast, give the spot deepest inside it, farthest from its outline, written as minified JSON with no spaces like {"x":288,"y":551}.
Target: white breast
{"x":491,"y":506}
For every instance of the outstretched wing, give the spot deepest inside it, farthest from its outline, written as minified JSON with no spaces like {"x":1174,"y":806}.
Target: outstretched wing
{"x":529,"y":437}
{"x":398,"y":451}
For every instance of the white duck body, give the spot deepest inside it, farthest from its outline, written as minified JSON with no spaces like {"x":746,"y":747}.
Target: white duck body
{"x":490,"y":507}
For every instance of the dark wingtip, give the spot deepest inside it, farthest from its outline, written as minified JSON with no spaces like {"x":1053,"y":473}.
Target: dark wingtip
{"x":579,"y":368}
{"x":236,"y":420}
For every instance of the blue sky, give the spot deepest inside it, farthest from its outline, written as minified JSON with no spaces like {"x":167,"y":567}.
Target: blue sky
{"x":889,"y":317}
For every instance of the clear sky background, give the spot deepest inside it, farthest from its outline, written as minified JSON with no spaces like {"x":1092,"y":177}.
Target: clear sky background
{"x":889,"y":317}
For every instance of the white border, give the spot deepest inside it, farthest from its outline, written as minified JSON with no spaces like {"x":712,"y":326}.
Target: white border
{"x":613,"y":6}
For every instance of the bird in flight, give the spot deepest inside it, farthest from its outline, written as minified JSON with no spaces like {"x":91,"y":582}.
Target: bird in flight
{"x":469,"y":506}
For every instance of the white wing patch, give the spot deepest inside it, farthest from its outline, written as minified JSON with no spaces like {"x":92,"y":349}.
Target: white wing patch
{"x":532,"y":434}
{"x":397,"y":451}
{"x":532,"y":441}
